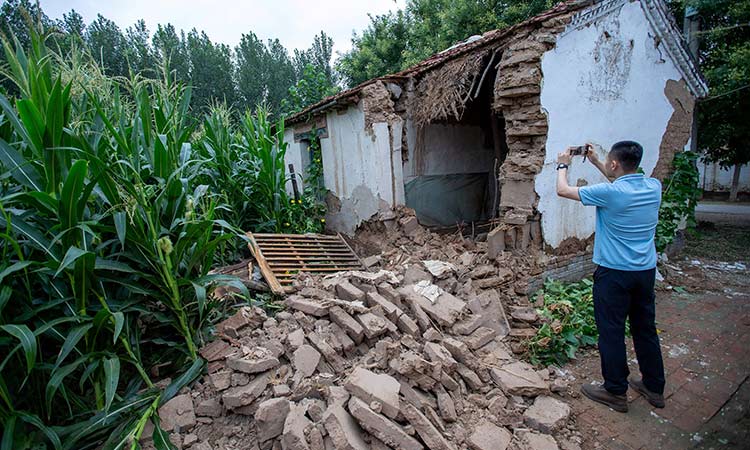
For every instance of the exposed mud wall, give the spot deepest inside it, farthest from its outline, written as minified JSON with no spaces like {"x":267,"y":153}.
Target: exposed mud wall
{"x":517,"y":97}
{"x":620,"y":47}
{"x":677,"y":134}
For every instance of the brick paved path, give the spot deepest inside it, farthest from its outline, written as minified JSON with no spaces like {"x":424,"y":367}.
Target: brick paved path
{"x":706,"y":343}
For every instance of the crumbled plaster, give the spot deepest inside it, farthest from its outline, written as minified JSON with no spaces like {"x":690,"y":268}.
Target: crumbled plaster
{"x":678,"y":131}
{"x":345,"y":215}
{"x":378,"y":105}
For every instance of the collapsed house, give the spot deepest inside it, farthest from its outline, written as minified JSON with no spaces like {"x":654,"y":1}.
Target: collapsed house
{"x":470,"y":135}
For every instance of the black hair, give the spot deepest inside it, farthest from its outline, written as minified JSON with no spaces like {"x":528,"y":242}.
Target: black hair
{"x":628,"y":154}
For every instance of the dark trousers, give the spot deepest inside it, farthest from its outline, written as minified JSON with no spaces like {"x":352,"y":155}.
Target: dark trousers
{"x":619,"y":294}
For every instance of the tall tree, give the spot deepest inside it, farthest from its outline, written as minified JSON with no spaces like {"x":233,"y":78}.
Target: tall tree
{"x":378,"y":51}
{"x":108,"y":46}
{"x":172,"y":49}
{"x":138,"y":51}
{"x":71,"y":31}
{"x":279,"y":74}
{"x":251,"y":76}
{"x":723,"y":127}
{"x":318,"y":55}
{"x":211,"y":71}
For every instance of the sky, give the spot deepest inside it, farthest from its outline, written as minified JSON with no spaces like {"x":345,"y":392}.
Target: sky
{"x":293,"y":22}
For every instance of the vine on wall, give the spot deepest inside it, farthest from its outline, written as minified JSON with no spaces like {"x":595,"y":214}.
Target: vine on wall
{"x":679,"y":198}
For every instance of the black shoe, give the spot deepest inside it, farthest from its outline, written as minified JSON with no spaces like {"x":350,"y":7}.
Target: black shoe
{"x":656,"y":400}
{"x":598,"y":394}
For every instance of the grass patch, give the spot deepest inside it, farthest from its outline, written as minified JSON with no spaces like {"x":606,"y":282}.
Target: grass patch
{"x":718,"y":242}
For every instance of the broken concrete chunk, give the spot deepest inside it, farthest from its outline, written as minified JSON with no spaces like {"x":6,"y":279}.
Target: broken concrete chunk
{"x":239,"y":396}
{"x":547,"y":414}
{"x":524,"y":314}
{"x":296,"y":338}
{"x":244,"y":317}
{"x":343,"y":429}
{"x":306,"y":305}
{"x":438,"y":354}
{"x":480,"y":337}
{"x":281,"y":390}
{"x":381,"y":427}
{"x":536,"y":441}
{"x":216,"y":350}
{"x":330,"y":355}
{"x":446,"y":407}
{"x":259,"y":360}
{"x":432,"y":335}
{"x":389,"y":293}
{"x":391,"y":311}
{"x":407,"y":325}
{"x":208,"y":408}
{"x":373,"y":325}
{"x":488,"y":436}
{"x":439,"y":269}
{"x":305,"y":360}
{"x":470,"y":377}
{"x":347,"y":291}
{"x":426,"y":430}
{"x":446,"y":310}
{"x":177,"y":413}
{"x":221,"y":380}
{"x":469,"y":324}
{"x":270,"y":418}
{"x":519,"y":378}
{"x":371,"y":386}
{"x":495,"y":242}
{"x":459,"y":350}
{"x":346,"y":342}
{"x":296,"y":423}
{"x":347,"y":322}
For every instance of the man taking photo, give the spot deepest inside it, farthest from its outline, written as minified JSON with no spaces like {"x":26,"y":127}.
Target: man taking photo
{"x":627,"y":210}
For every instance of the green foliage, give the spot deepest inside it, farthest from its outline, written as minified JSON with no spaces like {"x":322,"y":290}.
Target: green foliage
{"x":397,"y":40}
{"x":569,"y":324}
{"x":313,"y":87}
{"x":113,"y":209}
{"x":679,"y":198}
{"x":307,"y":213}
{"x":725,"y":62}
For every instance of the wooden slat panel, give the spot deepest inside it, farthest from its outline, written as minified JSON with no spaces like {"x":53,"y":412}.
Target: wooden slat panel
{"x":281,"y":256}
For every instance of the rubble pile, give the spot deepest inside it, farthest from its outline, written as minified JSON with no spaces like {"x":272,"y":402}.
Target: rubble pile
{"x":415,"y":353}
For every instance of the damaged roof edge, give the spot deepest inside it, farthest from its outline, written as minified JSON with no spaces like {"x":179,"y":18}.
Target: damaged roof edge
{"x":654,"y":10}
{"x":437,"y":59}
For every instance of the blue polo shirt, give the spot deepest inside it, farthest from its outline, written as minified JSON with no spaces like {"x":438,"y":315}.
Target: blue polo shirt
{"x":627,"y":211}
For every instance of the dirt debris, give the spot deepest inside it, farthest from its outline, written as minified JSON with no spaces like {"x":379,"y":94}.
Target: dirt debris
{"x":364,"y":360}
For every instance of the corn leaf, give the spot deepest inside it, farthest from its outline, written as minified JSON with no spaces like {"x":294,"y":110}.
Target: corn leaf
{"x":27,"y":341}
{"x":111,"y":378}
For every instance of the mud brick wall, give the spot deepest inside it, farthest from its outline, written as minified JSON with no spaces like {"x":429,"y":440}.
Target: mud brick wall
{"x":572,"y":267}
{"x":516,"y":97}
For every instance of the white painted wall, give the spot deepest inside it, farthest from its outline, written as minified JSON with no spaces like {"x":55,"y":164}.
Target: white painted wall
{"x":358,"y":167}
{"x":600,"y":89}
{"x":715,"y":179}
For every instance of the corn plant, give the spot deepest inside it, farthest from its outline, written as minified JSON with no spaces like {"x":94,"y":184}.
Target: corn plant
{"x":107,"y":241}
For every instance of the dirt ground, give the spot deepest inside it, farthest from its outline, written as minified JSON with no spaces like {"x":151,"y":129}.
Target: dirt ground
{"x":703,"y":317}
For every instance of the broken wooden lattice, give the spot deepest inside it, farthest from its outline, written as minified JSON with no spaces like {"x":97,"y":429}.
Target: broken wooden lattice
{"x":281,"y":256}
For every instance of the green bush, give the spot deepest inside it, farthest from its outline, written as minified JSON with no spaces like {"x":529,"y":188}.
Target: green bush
{"x":569,"y":324}
{"x":679,"y":198}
